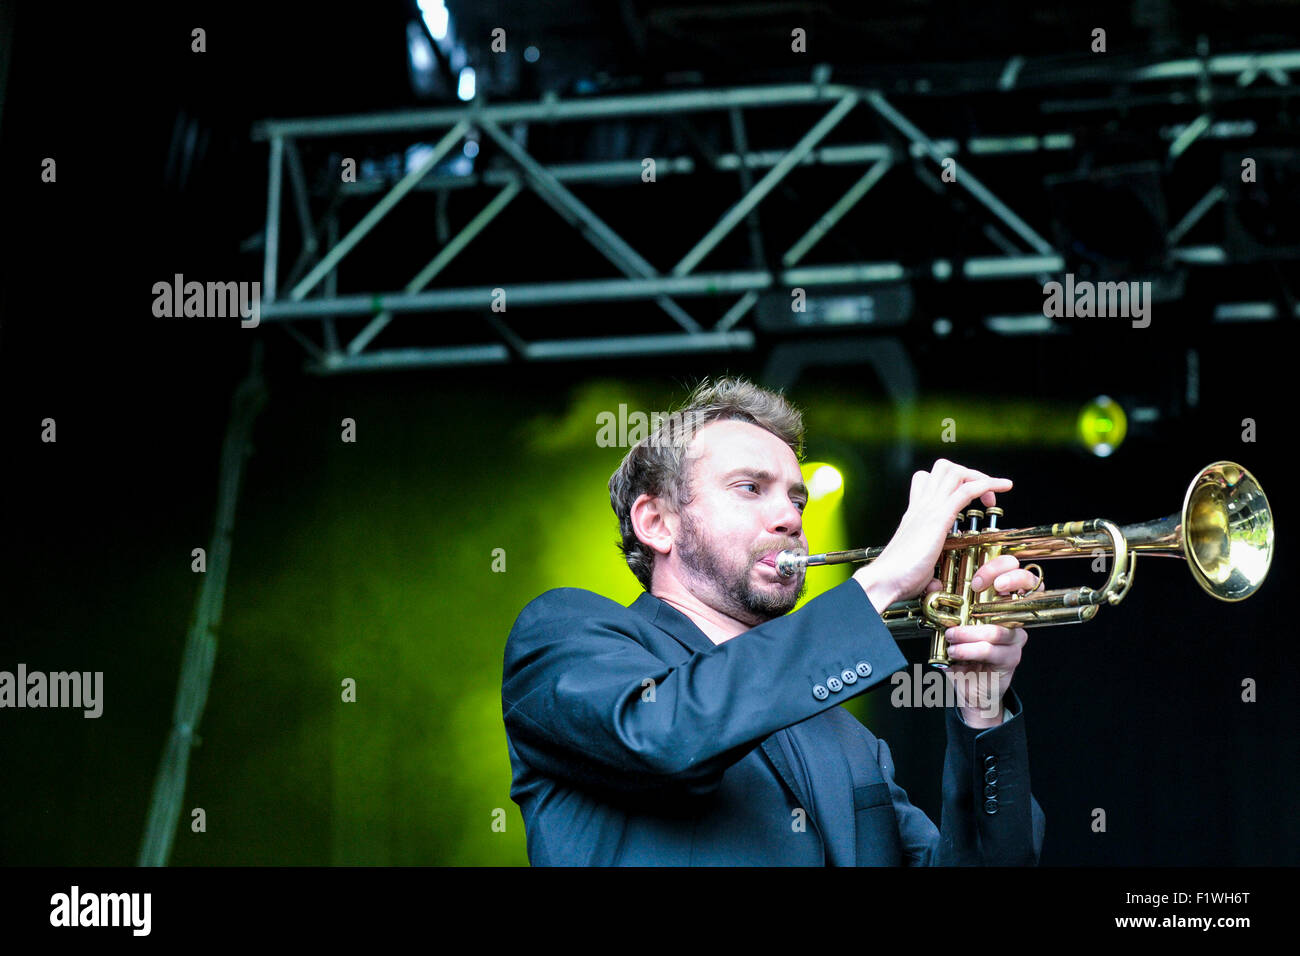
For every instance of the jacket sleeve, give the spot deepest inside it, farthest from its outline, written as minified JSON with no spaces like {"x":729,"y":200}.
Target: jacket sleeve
{"x":579,"y":704}
{"x":989,"y":816}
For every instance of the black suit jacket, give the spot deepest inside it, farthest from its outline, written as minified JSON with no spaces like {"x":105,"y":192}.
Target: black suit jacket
{"x":634,"y":740}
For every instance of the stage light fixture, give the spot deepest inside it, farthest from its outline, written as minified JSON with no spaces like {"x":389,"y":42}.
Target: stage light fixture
{"x":1102,"y":425}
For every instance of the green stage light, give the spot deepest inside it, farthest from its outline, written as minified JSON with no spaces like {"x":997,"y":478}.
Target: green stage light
{"x":823,"y":480}
{"x":1102,"y":425}
{"x":823,"y":523}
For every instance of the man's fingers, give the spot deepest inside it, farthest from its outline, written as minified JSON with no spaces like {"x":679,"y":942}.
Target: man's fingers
{"x":948,"y":475}
{"x":985,"y":634}
{"x":1005,"y":574}
{"x":1001,"y":656}
{"x":1015,"y":581}
{"x":993,"y":568}
{"x":946,"y":478}
{"x":918,"y":483}
{"x":968,"y":491}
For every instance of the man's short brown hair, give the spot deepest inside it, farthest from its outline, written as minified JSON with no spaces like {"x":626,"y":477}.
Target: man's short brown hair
{"x":657,"y":465}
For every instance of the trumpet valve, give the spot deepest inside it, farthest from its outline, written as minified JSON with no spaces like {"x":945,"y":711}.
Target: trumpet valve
{"x":993,"y":515}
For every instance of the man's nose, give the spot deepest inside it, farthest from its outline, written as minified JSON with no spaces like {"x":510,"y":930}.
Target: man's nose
{"x":787,"y":520}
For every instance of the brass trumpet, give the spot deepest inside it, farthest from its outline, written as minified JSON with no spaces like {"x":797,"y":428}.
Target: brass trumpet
{"x":1224,"y":532}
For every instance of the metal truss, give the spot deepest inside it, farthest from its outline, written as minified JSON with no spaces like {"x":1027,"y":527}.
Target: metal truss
{"x":313,"y":297}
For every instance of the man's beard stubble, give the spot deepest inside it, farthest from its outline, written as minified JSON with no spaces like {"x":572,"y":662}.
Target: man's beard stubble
{"x":744,"y":601}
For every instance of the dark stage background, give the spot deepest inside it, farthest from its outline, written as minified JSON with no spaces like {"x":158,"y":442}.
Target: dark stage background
{"x":373,"y":560}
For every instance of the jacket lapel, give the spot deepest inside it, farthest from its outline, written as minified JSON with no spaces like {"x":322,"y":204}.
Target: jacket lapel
{"x":683,"y":630}
{"x":818,"y":751}
{"x":667,"y":618}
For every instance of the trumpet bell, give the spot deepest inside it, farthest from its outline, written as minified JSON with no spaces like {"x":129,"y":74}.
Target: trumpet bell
{"x":1227,"y":531}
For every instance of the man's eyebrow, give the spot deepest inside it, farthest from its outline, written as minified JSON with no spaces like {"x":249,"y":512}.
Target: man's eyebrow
{"x":762,"y":475}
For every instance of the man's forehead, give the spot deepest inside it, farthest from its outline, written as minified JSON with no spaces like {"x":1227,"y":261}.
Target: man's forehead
{"x":723,"y":445}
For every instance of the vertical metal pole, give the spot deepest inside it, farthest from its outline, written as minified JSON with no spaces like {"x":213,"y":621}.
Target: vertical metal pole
{"x":747,"y":184}
{"x":201,"y":645}
{"x":272,"y":249}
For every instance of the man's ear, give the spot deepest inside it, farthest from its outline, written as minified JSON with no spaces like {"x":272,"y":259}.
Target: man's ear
{"x":654,"y":523}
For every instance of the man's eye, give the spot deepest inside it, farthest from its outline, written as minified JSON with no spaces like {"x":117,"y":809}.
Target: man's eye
{"x":750,"y":484}
{"x":801,"y":505}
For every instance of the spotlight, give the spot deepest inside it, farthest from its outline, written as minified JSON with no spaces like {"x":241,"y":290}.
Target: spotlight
{"x":1102,"y":425}
{"x":420,"y":60}
{"x":435,"y":17}
{"x":465,"y":88}
{"x":825,"y":480}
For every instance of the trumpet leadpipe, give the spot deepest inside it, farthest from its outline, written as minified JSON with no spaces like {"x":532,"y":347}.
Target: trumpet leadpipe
{"x":1045,"y":541}
{"x":788,"y":562}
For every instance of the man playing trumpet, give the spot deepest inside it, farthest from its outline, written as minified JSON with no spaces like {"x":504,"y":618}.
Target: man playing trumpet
{"x":699,"y":726}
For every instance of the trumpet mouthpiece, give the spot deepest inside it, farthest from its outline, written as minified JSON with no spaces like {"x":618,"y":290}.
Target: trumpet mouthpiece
{"x":787,"y":562}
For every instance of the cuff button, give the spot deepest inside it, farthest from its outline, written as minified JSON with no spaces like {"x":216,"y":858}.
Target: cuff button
{"x":820,"y":692}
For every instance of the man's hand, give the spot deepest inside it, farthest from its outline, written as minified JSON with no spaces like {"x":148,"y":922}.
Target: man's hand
{"x":906,"y":566}
{"x":985,"y":656}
